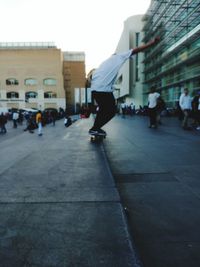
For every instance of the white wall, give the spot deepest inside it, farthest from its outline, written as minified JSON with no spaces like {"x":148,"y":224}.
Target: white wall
{"x":129,"y":88}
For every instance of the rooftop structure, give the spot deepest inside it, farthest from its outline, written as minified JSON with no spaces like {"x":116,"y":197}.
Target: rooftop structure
{"x":24,"y":45}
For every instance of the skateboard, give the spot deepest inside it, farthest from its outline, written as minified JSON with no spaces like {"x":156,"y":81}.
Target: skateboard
{"x":95,"y":138}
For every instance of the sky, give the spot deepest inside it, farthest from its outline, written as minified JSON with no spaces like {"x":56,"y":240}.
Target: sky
{"x":90,"y":26}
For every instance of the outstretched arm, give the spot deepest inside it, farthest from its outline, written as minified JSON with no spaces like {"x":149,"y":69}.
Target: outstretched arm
{"x":145,"y":46}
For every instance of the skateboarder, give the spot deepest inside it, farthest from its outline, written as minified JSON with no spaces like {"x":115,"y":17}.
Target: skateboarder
{"x":102,"y":80}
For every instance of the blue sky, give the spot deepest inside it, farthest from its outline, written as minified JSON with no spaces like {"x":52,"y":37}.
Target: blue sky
{"x":92,"y":26}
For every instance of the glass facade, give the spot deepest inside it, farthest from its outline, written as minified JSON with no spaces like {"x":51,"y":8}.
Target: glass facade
{"x":174,"y":63}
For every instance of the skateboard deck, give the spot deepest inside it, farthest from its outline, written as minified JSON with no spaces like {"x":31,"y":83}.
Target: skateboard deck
{"x":97,"y":138}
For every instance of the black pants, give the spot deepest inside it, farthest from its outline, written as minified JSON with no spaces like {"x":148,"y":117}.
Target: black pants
{"x":152,"y":116}
{"x":106,"y":108}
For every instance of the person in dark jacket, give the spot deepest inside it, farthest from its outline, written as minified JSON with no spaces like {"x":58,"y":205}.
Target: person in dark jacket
{"x":3,"y":121}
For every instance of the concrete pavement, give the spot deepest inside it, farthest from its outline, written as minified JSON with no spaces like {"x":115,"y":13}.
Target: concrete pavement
{"x":157,"y":174}
{"x":59,"y":205}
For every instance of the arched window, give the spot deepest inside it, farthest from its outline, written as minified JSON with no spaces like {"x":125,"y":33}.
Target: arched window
{"x":12,"y":95}
{"x":12,"y":81}
{"x":50,"y":95}
{"x":31,"y":95}
{"x":30,"y":81}
{"x":49,"y":81}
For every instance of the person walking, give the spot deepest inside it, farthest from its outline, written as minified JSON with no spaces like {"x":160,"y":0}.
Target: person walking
{"x":102,"y":80}
{"x":39,"y":122}
{"x":160,"y":107}
{"x":152,"y":107}
{"x":3,"y":121}
{"x":53,"y":117}
{"x":185,"y":103}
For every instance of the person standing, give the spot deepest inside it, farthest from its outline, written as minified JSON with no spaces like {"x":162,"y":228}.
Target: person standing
{"x":152,"y":107}
{"x":3,"y":121}
{"x":196,"y":110}
{"x":15,"y":117}
{"x":53,"y":117}
{"x":160,"y":107}
{"x":102,"y":81}
{"x":185,"y":103}
{"x":132,"y":109}
{"x":39,"y":122}
{"x":198,"y":113}
{"x":123,"y":108}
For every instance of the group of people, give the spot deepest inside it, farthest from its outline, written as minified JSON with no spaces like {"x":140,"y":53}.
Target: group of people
{"x":33,"y":120}
{"x":190,"y":107}
{"x":127,"y":109}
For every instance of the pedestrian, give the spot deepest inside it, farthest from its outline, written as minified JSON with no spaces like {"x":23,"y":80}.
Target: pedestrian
{"x":185,"y":103}
{"x":196,"y":110}
{"x":152,"y":109}
{"x":15,"y":117}
{"x":123,"y":108}
{"x":53,"y":114}
{"x":39,"y":122}
{"x":102,"y":80}
{"x":160,"y":107}
{"x":132,"y":109}
{"x":3,"y":121}
{"x":67,"y":121}
{"x":30,"y":124}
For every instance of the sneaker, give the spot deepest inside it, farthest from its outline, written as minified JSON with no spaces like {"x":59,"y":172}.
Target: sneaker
{"x":101,"y":132}
{"x":97,"y":132}
{"x":92,"y":131}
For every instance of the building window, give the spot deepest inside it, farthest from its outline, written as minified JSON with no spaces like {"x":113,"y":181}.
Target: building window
{"x":31,"y":95}
{"x":50,"y":95}
{"x":30,"y":81}
{"x":12,"y":81}
{"x":49,"y":81}
{"x":12,"y":95}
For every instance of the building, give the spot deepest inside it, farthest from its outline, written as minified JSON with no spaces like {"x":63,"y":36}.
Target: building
{"x":34,"y":75}
{"x":74,"y":78}
{"x":128,"y":86}
{"x":175,"y":62}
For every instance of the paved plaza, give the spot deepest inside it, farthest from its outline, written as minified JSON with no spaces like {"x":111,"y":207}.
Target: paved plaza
{"x":132,"y":200}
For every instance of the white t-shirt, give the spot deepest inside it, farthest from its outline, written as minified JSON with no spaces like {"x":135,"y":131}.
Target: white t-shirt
{"x":185,"y":101}
{"x":104,"y":76}
{"x":153,"y":99}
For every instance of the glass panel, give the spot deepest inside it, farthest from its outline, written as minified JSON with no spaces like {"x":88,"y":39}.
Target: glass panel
{"x":30,"y":81}
{"x":49,"y":81}
{"x":12,"y":81}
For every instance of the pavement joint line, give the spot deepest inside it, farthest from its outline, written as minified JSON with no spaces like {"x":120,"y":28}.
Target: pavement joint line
{"x":61,"y":202}
{"x":141,"y":173}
